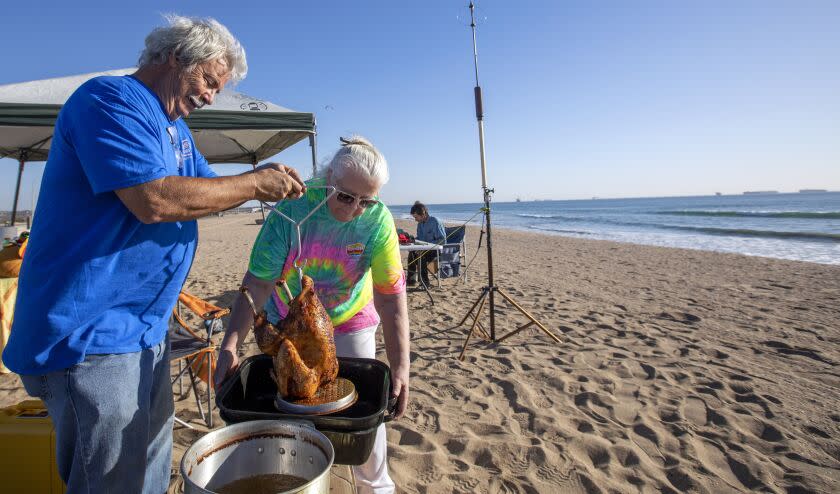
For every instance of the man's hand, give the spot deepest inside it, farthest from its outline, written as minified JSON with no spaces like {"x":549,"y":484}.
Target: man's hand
{"x":226,"y":364}
{"x":274,"y":182}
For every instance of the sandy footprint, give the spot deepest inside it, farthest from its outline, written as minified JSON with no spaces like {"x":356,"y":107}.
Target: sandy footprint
{"x":484,"y":431}
{"x":452,"y":391}
{"x":413,"y":439}
{"x":715,"y":459}
{"x":522,"y":423}
{"x":556,"y":473}
{"x":627,"y":410}
{"x":464,"y":483}
{"x":427,"y":421}
{"x":694,"y":410}
{"x":517,"y":459}
{"x":594,"y":406}
{"x":648,"y":442}
{"x":625,"y":456}
{"x":595,"y":449}
{"x":544,"y":401}
{"x":487,"y":461}
{"x":427,"y":472}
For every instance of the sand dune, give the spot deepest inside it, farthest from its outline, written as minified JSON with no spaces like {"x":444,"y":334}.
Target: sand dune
{"x":678,"y":371}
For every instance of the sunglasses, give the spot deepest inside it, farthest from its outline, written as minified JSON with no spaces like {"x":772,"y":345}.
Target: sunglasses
{"x":345,"y":198}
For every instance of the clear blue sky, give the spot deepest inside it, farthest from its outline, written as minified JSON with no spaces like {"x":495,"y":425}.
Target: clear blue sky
{"x":582,"y":99}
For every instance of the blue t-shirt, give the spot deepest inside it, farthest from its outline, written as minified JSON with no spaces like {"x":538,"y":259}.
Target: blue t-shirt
{"x":94,"y":279}
{"x":431,"y":231}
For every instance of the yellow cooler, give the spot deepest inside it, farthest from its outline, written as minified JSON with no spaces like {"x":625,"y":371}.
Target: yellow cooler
{"x":27,"y":455}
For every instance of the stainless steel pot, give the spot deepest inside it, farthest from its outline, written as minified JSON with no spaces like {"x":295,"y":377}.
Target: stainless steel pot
{"x":259,"y":447}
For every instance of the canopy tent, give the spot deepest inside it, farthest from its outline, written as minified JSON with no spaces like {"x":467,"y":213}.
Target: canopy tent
{"x":237,"y":128}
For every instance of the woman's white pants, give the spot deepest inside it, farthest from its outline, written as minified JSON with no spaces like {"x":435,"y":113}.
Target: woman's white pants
{"x":371,"y":476}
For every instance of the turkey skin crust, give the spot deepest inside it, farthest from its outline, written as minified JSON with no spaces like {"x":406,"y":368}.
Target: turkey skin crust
{"x":302,"y":345}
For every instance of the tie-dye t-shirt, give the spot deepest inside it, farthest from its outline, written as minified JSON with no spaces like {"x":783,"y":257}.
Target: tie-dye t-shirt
{"x":346,"y":260}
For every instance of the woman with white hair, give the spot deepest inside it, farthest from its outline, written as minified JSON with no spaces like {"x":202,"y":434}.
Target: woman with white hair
{"x":89,"y":336}
{"x":350,"y":250}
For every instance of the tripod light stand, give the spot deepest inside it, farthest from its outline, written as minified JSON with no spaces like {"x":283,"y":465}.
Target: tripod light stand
{"x":488,"y":291}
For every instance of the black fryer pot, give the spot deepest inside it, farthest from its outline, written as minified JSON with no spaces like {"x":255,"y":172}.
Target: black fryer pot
{"x":249,"y":395}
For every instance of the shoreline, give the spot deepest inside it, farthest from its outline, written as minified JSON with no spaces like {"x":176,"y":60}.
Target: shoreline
{"x":474,"y":230}
{"x":805,"y":230}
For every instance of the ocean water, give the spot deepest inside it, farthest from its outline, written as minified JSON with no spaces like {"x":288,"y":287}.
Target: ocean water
{"x":801,"y":226}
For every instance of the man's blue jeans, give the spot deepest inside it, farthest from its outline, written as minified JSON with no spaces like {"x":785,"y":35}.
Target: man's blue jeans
{"x":113,"y":421}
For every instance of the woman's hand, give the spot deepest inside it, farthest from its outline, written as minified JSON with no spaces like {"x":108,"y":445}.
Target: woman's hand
{"x":240,"y":323}
{"x":226,"y":364}
{"x":399,"y":382}
{"x":393,"y":311}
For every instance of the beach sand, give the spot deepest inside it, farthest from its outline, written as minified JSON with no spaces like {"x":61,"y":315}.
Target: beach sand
{"x":677,"y":371}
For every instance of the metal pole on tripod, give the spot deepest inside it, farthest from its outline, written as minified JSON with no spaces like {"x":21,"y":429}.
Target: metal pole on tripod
{"x":479,"y":115}
{"x":489,"y":291}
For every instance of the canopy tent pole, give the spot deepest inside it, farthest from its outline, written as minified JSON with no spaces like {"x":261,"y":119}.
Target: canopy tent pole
{"x":17,"y":187}
{"x":313,"y":145}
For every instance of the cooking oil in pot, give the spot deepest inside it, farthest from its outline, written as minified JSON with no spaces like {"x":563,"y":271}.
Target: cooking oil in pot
{"x":263,"y":484}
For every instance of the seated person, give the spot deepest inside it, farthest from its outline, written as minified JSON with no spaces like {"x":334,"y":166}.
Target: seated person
{"x":429,"y":229}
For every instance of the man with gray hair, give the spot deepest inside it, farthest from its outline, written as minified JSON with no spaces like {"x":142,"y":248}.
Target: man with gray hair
{"x":111,"y":247}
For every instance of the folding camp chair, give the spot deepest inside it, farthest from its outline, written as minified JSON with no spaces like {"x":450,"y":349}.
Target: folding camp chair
{"x":452,"y":259}
{"x":195,"y":353}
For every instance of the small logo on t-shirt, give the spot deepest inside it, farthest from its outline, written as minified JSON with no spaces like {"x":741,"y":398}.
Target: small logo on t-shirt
{"x":355,"y":250}
{"x":186,"y":148}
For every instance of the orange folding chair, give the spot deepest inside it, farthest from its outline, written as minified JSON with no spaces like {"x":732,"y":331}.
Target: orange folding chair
{"x":194,"y":352}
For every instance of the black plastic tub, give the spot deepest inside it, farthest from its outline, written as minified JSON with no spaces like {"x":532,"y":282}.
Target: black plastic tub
{"x":249,"y":395}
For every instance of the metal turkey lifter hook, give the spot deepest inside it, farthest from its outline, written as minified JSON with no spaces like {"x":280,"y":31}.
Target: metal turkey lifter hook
{"x":274,"y":209}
